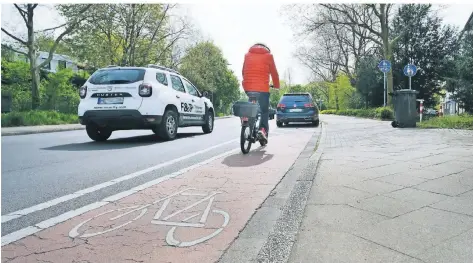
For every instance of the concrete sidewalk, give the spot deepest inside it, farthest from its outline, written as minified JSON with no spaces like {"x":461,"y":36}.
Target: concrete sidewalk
{"x":389,"y":195}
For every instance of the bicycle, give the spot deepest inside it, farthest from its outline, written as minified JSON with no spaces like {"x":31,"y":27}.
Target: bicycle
{"x":249,"y":113}
{"x":141,"y":210}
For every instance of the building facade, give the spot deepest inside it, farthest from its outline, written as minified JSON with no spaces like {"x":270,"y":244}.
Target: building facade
{"x":57,"y":63}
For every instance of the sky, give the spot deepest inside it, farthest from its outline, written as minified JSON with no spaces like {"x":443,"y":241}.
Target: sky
{"x":234,"y":27}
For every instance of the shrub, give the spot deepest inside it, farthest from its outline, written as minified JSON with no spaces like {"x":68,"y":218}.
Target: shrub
{"x":384,"y":113}
{"x":463,"y":121}
{"x":378,"y":113}
{"x":34,"y":118}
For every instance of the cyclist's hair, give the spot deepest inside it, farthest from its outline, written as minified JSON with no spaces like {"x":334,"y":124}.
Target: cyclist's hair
{"x":262,"y":45}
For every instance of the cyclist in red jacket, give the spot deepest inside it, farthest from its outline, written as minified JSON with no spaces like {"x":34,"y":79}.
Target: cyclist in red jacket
{"x":258,"y":65}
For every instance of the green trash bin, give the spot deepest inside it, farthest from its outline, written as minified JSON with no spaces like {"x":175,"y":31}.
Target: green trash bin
{"x":405,"y":112}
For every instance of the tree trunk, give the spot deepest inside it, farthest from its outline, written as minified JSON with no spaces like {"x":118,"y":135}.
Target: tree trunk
{"x":34,"y":70}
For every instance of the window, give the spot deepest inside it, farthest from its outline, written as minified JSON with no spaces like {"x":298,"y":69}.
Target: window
{"x":177,"y":84}
{"x":117,"y":76}
{"x":61,"y":64}
{"x":161,"y":78}
{"x":191,"y":89}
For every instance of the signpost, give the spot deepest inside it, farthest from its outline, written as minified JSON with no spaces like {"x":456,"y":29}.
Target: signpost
{"x":421,"y":108}
{"x":385,"y":67}
{"x":410,"y":71}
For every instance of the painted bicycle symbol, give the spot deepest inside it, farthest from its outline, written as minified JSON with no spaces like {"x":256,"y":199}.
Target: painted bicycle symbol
{"x":158,"y":219}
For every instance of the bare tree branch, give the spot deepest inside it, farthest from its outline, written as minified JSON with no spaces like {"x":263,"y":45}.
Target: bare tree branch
{"x":51,"y":29}
{"x":14,"y":37}
{"x":14,"y":50}
{"x":22,"y":13}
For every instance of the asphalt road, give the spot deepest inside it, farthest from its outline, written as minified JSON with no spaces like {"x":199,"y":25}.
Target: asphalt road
{"x":38,"y":168}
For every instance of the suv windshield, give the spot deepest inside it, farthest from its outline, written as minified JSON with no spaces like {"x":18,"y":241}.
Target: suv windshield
{"x":117,"y":76}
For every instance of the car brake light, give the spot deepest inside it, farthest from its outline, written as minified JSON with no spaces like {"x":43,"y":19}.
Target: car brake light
{"x":83,"y":92}
{"x":145,"y":90}
{"x":281,"y":106}
{"x":309,"y":105}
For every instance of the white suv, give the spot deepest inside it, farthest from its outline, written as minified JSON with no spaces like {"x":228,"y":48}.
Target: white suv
{"x":153,"y":97}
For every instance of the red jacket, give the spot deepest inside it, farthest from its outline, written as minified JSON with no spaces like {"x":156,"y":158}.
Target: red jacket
{"x":258,"y":65}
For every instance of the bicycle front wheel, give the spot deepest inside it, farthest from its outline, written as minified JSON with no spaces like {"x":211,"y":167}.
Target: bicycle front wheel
{"x":245,"y":142}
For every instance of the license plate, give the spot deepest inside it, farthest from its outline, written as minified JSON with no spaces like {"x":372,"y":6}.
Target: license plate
{"x":118,"y":100}
{"x":295,"y":110}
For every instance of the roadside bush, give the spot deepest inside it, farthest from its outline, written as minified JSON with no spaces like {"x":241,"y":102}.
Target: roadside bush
{"x":378,"y":113}
{"x":463,"y":121}
{"x":58,"y":91}
{"x":328,"y":112}
{"x":34,"y":118}
{"x":384,"y":113}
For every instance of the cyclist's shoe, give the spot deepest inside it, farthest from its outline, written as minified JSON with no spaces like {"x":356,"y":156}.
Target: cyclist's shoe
{"x":262,"y":135}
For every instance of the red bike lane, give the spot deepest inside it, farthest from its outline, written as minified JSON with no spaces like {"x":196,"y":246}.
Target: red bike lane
{"x":193,"y":217}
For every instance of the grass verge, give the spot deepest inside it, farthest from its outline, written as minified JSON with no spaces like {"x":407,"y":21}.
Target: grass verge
{"x":382,"y":113}
{"x":35,"y":118}
{"x":463,"y":121}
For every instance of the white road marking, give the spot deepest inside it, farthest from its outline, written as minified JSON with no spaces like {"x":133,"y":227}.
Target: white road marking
{"x":22,"y":233}
{"x":38,"y":207}
{"x":173,"y":242}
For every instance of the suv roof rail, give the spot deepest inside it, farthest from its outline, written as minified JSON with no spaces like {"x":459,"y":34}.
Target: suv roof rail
{"x":163,"y":68}
{"x":112,"y":66}
{"x":298,"y":93}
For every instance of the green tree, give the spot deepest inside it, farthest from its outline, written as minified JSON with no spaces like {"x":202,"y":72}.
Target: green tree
{"x":426,"y":43}
{"x":205,"y":66}
{"x":27,"y":12}
{"x":341,"y":92}
{"x":370,"y":81}
{"x":127,"y":34}
{"x":461,"y":83}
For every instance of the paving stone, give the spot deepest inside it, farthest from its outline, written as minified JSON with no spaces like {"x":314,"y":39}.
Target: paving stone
{"x":338,"y":218}
{"x":402,"y":179}
{"x":335,"y":195}
{"x":322,"y":245}
{"x":375,"y":187}
{"x":461,"y":205}
{"x":458,"y":249}
{"x":386,"y":206}
{"x":418,"y":197}
{"x":449,"y":167}
{"x":417,"y":231}
{"x":448,"y":185}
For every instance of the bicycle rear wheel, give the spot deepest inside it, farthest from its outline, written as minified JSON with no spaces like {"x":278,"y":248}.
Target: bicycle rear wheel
{"x":245,"y":142}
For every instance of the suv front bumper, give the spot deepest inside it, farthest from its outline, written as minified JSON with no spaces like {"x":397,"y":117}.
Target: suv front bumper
{"x":120,"y":119}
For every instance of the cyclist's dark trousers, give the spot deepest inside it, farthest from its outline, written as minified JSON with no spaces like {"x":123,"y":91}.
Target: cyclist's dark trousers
{"x":263,"y":101}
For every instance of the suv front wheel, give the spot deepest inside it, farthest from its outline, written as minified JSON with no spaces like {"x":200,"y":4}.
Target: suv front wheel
{"x":209,"y":122}
{"x":168,"y":127}
{"x":98,"y":134}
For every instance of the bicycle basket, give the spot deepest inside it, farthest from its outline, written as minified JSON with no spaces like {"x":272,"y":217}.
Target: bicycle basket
{"x":245,"y":109}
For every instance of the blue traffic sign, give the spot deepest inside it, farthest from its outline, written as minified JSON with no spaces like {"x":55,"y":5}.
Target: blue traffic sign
{"x":410,"y":70}
{"x":384,"y":66}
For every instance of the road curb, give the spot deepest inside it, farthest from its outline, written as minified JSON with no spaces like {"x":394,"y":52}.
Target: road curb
{"x":280,"y":215}
{"x":10,"y":131}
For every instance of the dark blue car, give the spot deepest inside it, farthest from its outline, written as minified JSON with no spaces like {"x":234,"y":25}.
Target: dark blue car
{"x":297,"y":107}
